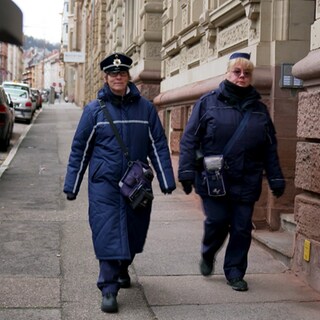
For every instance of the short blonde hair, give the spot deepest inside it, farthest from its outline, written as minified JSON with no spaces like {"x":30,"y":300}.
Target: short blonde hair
{"x":245,"y":63}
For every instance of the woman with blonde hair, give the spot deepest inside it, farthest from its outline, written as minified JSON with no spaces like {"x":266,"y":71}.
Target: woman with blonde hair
{"x":228,"y":143}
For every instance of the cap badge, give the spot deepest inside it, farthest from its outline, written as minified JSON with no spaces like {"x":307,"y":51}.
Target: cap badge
{"x":116,"y":62}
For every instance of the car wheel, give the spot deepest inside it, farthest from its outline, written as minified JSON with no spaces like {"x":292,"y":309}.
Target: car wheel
{"x":4,"y":143}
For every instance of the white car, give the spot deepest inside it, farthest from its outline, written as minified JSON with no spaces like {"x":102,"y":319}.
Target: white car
{"x":23,"y":103}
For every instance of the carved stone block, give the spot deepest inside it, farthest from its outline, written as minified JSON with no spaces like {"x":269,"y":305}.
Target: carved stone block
{"x":308,"y":166}
{"x":233,"y":35}
{"x":309,"y":115}
{"x":307,"y":216}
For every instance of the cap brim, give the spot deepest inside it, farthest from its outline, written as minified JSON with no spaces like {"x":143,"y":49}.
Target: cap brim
{"x":116,"y":68}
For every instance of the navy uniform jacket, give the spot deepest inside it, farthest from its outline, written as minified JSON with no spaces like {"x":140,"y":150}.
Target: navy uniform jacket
{"x":212,"y":123}
{"x":117,"y":230}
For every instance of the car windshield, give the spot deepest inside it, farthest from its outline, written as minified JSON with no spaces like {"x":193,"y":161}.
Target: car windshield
{"x":15,"y":86}
{"x":16,"y":93}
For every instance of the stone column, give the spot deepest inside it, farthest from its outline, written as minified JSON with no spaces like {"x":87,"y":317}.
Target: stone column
{"x":307,"y":204}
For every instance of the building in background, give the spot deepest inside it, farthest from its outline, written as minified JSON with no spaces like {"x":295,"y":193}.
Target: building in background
{"x":3,"y":61}
{"x":41,"y":67}
{"x":307,"y":174}
{"x":11,"y":65}
{"x":53,"y":75}
{"x":14,"y":65}
{"x":44,"y":70}
{"x":198,"y":38}
{"x":73,"y":51}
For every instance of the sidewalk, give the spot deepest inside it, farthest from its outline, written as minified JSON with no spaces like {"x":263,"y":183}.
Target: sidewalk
{"x":168,"y":271}
{"x":48,"y":270}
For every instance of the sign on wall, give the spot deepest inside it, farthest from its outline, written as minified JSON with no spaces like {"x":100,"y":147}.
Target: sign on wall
{"x":74,"y":56}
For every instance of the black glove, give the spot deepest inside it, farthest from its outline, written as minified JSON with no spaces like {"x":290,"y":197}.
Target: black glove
{"x":278,"y":192}
{"x":71,"y":196}
{"x":187,"y":186}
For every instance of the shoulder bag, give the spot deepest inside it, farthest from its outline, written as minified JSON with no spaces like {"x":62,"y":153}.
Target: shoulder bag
{"x":213,"y":165}
{"x":135,"y":185}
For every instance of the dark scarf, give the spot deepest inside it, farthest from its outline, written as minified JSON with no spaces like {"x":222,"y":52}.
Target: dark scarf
{"x":106,"y":94}
{"x":238,"y":96}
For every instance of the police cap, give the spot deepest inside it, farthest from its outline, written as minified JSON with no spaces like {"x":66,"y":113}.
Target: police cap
{"x":243,"y":55}
{"x":116,"y":62}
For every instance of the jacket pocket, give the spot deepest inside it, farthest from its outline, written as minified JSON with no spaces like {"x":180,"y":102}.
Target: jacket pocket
{"x":97,"y":172}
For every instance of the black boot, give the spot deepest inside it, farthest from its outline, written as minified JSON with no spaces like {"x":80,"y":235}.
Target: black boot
{"x":206,"y":267}
{"x":109,"y":303}
{"x":124,"y":280}
{"x":238,"y":284}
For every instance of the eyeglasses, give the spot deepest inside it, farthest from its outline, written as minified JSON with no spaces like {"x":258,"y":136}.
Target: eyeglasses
{"x":114,"y":74}
{"x":238,"y":72}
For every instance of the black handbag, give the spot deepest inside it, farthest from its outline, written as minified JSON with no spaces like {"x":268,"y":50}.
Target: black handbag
{"x":135,"y":185}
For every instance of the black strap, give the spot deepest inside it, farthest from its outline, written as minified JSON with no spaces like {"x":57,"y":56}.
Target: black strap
{"x":237,"y":133}
{"x":114,"y":128}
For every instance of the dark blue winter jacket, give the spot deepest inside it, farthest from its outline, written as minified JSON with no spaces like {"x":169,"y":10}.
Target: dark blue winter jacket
{"x":214,"y":119}
{"x":117,"y":230}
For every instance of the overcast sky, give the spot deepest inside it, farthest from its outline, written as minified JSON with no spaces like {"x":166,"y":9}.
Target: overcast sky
{"x":42,"y":18}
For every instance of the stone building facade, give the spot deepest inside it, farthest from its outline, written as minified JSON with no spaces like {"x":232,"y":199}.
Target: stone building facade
{"x":307,"y":177}
{"x":11,"y":66}
{"x":180,"y":51}
{"x":199,"y":36}
{"x":100,"y":27}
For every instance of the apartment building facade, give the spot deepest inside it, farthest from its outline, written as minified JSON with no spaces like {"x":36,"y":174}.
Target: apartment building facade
{"x":11,"y":65}
{"x":180,"y":50}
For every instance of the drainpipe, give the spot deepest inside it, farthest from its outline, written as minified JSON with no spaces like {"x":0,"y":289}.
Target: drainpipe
{"x":91,"y":47}
{"x":285,"y":20}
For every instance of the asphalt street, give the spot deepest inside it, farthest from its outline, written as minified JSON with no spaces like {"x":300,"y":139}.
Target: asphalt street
{"x":48,"y":270}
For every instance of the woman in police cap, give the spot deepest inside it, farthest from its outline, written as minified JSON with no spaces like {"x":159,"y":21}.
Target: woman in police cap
{"x":118,"y":230}
{"x":231,"y":133}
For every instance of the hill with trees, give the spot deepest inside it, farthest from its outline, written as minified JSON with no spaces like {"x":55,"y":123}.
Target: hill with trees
{"x":31,"y":42}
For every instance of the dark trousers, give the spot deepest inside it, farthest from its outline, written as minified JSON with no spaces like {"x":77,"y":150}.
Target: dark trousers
{"x":226,"y":217}
{"x":110,"y":271}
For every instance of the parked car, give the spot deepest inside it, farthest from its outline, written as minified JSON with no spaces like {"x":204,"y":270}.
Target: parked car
{"x":36,"y":93}
{"x":6,"y":121}
{"x":11,"y":105}
{"x":10,"y":101}
{"x":24,"y":104}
